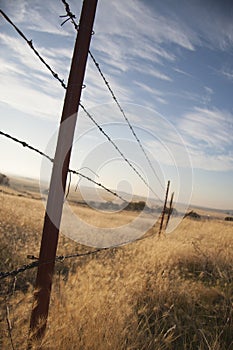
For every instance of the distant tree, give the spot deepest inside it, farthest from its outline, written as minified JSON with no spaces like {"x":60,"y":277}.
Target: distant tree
{"x":160,"y":209}
{"x":136,"y":206}
{"x":109,"y":206}
{"x":4,"y":180}
{"x":192,"y":214}
{"x":175,"y":212}
{"x":229,"y":218}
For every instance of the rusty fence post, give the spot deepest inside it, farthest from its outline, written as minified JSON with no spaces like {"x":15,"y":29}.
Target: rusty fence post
{"x":55,"y":201}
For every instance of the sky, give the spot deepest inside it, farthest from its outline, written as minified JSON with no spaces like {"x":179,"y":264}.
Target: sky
{"x":170,"y":65}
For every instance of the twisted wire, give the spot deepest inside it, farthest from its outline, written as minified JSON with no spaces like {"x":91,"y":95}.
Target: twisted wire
{"x":118,"y":150}
{"x":24,"y":144}
{"x":125,"y":117}
{"x":29,"y":42}
{"x":69,"y":14}
{"x":55,"y":75}
{"x":72,"y":17}
{"x":62,"y":258}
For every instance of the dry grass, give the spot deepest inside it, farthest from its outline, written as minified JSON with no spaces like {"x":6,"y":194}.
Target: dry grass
{"x":170,"y":293}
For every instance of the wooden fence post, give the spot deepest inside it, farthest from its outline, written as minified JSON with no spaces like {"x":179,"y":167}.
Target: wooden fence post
{"x":164,"y":208}
{"x":170,"y":210}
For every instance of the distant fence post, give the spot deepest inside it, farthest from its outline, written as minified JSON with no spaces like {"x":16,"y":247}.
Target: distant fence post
{"x":169,"y":210}
{"x":164,"y":208}
{"x":54,"y":206}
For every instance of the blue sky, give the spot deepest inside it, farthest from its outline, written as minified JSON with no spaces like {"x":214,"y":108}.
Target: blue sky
{"x":170,"y":65}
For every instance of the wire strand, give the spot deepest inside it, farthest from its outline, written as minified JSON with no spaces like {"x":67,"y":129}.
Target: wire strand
{"x":69,"y":14}
{"x":118,"y":150}
{"x":125,"y":117}
{"x":24,"y":144}
{"x":55,"y":75}
{"x":62,"y":258}
{"x":72,"y":18}
{"x":29,"y":42}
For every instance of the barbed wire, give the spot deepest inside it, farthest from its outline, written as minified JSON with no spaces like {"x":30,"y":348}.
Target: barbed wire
{"x":29,"y":42}
{"x":98,"y":184}
{"x":25,"y":144}
{"x":20,"y":269}
{"x":125,"y":117}
{"x":72,"y":17}
{"x":62,"y":258}
{"x":55,"y":75}
{"x":119,"y":151}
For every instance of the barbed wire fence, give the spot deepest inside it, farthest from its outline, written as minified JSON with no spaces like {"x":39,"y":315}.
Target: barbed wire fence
{"x":75,"y":172}
{"x":72,"y":17}
{"x":57,"y":77}
{"x":61,"y":258}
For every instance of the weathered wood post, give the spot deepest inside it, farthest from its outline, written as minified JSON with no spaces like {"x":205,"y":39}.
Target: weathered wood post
{"x":164,"y":208}
{"x":169,"y":210}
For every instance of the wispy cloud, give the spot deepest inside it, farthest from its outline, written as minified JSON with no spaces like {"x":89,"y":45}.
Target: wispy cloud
{"x":227,"y":73}
{"x":133,"y":33}
{"x":181,"y":71}
{"x":149,"y":24}
{"x":25,"y":98}
{"x":152,"y":92}
{"x":207,"y":133}
{"x":206,"y":23}
{"x":208,"y":95}
{"x":33,"y":17}
{"x":23,"y":56}
{"x":152,"y":72}
{"x":25,"y":84}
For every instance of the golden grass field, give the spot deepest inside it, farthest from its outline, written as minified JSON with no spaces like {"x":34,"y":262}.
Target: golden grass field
{"x":173,"y":292}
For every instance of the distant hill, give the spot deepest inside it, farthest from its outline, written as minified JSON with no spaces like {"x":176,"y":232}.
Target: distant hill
{"x":98,"y":195}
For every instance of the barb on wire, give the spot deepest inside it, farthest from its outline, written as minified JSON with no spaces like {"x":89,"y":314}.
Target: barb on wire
{"x":15,"y":272}
{"x":85,"y":167}
{"x":24,"y":144}
{"x":66,"y":20}
{"x":72,"y":18}
{"x":98,"y":184}
{"x":87,"y":113}
{"x":70,"y":15}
